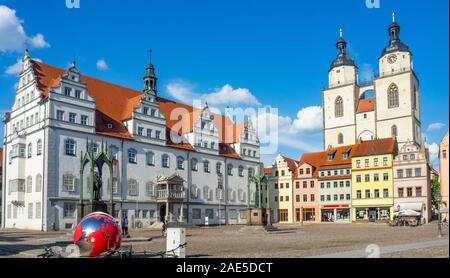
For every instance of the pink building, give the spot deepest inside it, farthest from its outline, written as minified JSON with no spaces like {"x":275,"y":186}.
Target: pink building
{"x":306,"y":188}
{"x":412,"y":184}
{"x":443,"y":166}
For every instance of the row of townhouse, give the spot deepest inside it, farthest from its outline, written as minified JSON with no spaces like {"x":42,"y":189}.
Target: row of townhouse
{"x":365,"y":182}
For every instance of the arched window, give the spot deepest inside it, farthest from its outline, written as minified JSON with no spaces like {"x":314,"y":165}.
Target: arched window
{"x":338,"y":107}
{"x":340,"y":139}
{"x":38,"y":183}
{"x":132,"y":187}
{"x":219,"y":168}
{"x":150,"y":158}
{"x":251,"y":172}
{"x":394,"y":130}
{"x":150,"y":189}
{"x":180,"y":163}
{"x":194,"y":164}
{"x":230,"y":169}
{"x":206,"y":166}
{"x":29,"y":184}
{"x":39,"y":147}
{"x":30,"y":150}
{"x":70,"y":147}
{"x":393,"y":96}
{"x":165,"y":161}
{"x":241,"y":171}
{"x":132,"y":156}
{"x":415,"y":98}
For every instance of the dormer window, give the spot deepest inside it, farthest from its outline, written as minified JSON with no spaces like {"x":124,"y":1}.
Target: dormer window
{"x":67,"y":91}
{"x":109,"y":125}
{"x":330,"y":157}
{"x":345,"y":155}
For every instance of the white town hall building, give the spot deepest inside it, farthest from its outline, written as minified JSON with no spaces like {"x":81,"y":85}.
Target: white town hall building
{"x":58,"y":114}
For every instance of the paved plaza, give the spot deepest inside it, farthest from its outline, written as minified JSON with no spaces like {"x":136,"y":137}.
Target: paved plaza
{"x":315,"y":240}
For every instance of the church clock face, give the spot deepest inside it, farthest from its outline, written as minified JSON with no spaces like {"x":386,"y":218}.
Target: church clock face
{"x":392,"y":58}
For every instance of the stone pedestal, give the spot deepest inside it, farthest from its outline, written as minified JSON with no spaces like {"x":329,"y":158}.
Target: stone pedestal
{"x":96,"y":206}
{"x":255,"y":217}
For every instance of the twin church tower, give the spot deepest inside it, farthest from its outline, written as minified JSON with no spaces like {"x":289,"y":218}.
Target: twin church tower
{"x":385,"y":107}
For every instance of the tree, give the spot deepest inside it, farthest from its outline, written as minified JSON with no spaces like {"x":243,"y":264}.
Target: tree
{"x":435,"y":192}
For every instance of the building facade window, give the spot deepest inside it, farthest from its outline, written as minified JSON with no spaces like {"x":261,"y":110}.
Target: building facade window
{"x":150,"y":158}
{"x":180,"y":163}
{"x":338,"y":107}
{"x":69,"y":210}
{"x":230,"y":169}
{"x":393,"y":98}
{"x":68,"y":183}
{"x":132,"y":187}
{"x":70,"y":147}
{"x":241,"y":171}
{"x":165,"y":161}
{"x":206,"y":166}
{"x":194,"y":164}
{"x":132,"y":156}
{"x":394,"y":131}
{"x":340,"y":139}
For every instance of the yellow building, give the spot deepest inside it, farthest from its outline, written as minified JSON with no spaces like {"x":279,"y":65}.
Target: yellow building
{"x":373,"y":180}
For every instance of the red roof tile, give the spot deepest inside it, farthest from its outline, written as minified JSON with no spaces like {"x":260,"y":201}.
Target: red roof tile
{"x":1,"y":159}
{"x":313,"y":159}
{"x":366,"y":105}
{"x":115,"y":104}
{"x":292,"y":164}
{"x":376,"y":147}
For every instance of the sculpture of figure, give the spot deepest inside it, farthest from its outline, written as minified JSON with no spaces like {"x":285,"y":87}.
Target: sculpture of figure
{"x":97,"y":186}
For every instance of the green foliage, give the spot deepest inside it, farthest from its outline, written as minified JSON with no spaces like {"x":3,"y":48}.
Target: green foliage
{"x":435,"y":191}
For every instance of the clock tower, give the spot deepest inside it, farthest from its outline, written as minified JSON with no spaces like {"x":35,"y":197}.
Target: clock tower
{"x":397,"y":91}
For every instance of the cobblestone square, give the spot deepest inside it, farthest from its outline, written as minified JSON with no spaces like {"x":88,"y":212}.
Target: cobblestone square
{"x":289,"y":241}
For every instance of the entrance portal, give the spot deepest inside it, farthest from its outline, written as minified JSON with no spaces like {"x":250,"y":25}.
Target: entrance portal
{"x":162,"y":213}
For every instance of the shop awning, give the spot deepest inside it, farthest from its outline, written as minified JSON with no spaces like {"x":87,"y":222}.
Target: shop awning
{"x":409,"y":206}
{"x":407,"y":212}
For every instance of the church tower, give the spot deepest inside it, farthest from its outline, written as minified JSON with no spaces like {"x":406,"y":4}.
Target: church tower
{"x":340,"y":98}
{"x":397,"y":91}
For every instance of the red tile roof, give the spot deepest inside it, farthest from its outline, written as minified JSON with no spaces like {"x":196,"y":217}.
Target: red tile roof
{"x":1,"y":159}
{"x":366,"y":105}
{"x":292,"y":164}
{"x":376,"y":147}
{"x":338,"y":159}
{"x":268,"y":170}
{"x":313,"y":159}
{"x":115,"y":104}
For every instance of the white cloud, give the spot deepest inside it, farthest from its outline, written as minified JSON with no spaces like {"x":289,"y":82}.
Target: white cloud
{"x":182,"y":91}
{"x":435,"y":127}
{"x":220,"y":97}
{"x":300,"y":133}
{"x":38,"y":41}
{"x":309,"y":119}
{"x":17,"y":67}
{"x":433,"y":150}
{"x":12,"y":33}
{"x":227,"y":95}
{"x":102,"y":65}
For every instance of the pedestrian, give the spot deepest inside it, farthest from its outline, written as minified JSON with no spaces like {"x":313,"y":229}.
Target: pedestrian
{"x":125,"y":226}
{"x":164,"y":227}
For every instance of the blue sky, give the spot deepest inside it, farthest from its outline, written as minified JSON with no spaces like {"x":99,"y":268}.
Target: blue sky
{"x":273,"y":53}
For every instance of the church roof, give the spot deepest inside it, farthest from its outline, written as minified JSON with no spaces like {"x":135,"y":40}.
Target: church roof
{"x":115,"y":104}
{"x":366,"y":105}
